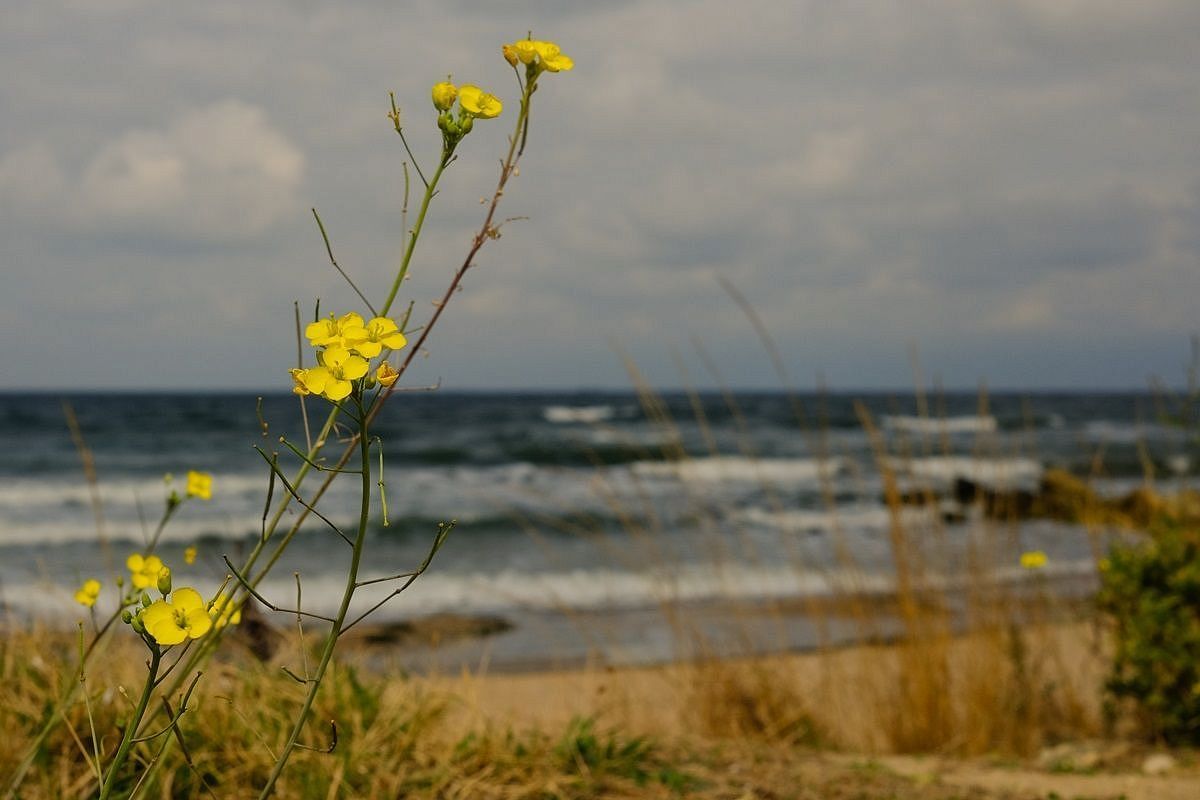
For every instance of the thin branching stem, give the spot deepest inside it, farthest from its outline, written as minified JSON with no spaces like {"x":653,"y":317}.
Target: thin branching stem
{"x":254,"y":593}
{"x":338,"y":267}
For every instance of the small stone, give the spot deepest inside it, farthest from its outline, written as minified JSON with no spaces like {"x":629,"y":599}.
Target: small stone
{"x":1158,"y":764}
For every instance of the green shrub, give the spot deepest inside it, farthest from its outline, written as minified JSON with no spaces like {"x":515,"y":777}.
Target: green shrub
{"x":1151,"y":593}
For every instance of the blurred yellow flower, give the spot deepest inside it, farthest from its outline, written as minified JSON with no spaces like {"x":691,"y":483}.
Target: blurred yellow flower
{"x":189,"y":554}
{"x":143,"y":570}
{"x":386,"y":375}
{"x":444,"y":95}
{"x":88,"y":593}
{"x":199,"y":484}
{"x":478,"y":103}
{"x":224,"y":611}
{"x":181,"y":617}
{"x":1034,"y":559}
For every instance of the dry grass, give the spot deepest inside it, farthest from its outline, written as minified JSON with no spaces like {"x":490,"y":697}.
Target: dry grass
{"x":740,"y":728}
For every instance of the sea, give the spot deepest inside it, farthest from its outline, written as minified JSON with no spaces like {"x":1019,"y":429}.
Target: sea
{"x":591,"y":523}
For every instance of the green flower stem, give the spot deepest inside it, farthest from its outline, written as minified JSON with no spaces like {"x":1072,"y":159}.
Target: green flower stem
{"x":430,"y":190}
{"x":518,"y":138}
{"x":364,"y":445}
{"x":131,"y":728}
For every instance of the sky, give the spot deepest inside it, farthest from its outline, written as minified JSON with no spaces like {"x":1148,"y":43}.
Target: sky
{"x":1001,"y":192}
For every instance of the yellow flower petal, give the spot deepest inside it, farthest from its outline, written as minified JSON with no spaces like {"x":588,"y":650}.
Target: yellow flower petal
{"x":524,"y":51}
{"x":156,"y":613}
{"x":197,"y":622}
{"x":479,"y":103}
{"x":444,"y":95}
{"x":354,"y":368}
{"x":187,"y":599}
{"x":166,"y":631}
{"x":386,"y":375}
{"x":336,"y":389}
{"x":134,"y":562}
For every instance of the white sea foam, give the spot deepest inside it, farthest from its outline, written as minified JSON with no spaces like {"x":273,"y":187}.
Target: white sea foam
{"x":722,"y":469}
{"x":573,"y":589}
{"x":996,"y":472}
{"x":851,"y":518}
{"x":1115,"y":432}
{"x":577,"y":414}
{"x":941,"y":425}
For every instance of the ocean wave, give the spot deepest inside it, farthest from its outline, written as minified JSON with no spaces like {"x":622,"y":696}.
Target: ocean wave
{"x":577,"y":414}
{"x":940,"y":426}
{"x":736,"y":469}
{"x":853,"y":517}
{"x":996,"y":472}
{"x":564,"y":590}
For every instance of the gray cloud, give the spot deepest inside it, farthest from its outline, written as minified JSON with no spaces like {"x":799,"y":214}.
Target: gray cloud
{"x":1012,"y":187}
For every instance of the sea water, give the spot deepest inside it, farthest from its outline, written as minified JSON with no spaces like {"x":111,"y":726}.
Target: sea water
{"x":568,"y":507}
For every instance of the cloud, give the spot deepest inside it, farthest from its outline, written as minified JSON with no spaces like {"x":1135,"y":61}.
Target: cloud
{"x":966,"y":176}
{"x":31,"y":179}
{"x":218,"y":172}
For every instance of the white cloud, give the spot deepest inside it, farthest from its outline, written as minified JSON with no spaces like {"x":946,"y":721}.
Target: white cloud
{"x":218,"y":172}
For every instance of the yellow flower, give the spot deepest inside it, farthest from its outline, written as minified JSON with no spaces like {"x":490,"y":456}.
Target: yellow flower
{"x":199,"y":484}
{"x":551,"y":58}
{"x":369,"y":340}
{"x":444,"y":95}
{"x":88,"y":593}
{"x":327,"y":332}
{"x":332,"y":378}
{"x":181,"y":617}
{"x":478,"y":103}
{"x":143,"y":570}
{"x":300,"y":379}
{"x":386,"y":375}
{"x":189,"y":554}
{"x":224,"y":611}
{"x":539,"y":56}
{"x":1034,"y":559}
{"x":522,"y":50}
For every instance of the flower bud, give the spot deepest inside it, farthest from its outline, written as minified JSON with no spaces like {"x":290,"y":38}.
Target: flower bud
{"x":386,"y":375}
{"x":510,"y":54}
{"x":126,"y":616}
{"x":146,"y":601}
{"x":164,"y":581}
{"x":136,"y":624}
{"x":444,"y":94}
{"x":465,"y":124}
{"x":447,"y":124}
